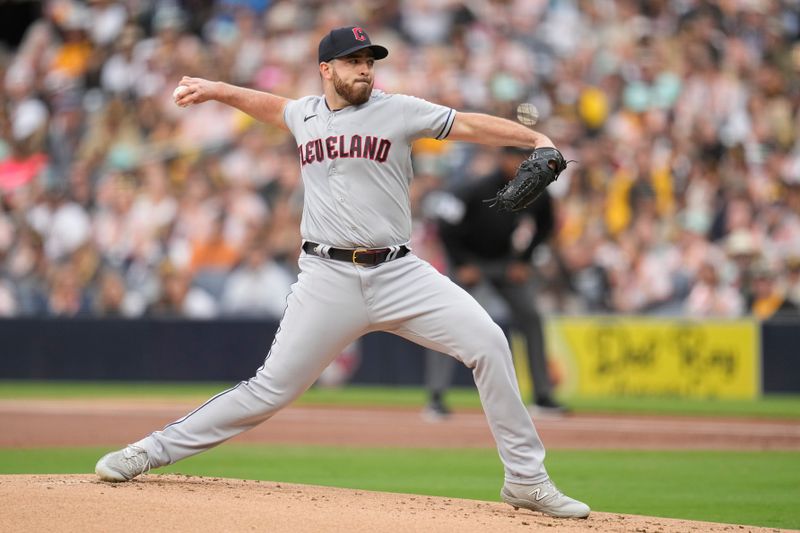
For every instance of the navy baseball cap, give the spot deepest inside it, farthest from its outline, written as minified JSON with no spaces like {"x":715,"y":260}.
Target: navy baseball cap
{"x":344,"y":41}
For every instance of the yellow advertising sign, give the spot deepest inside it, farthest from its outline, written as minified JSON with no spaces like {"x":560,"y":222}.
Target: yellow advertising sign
{"x":628,"y":356}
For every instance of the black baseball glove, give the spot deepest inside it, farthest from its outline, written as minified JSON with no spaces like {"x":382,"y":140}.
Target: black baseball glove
{"x":533,"y":176}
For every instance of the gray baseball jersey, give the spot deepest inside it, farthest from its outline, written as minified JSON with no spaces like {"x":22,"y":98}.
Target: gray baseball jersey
{"x":356,"y":165}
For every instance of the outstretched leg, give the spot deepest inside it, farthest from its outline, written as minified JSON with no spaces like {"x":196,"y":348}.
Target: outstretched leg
{"x":325,"y":312}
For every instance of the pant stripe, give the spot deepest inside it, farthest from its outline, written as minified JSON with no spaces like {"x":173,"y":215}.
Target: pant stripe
{"x":245,"y":382}
{"x":206,"y":403}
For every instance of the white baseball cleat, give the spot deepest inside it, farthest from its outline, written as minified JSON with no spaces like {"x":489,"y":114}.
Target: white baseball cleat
{"x":545,"y":498}
{"x":123,"y":465}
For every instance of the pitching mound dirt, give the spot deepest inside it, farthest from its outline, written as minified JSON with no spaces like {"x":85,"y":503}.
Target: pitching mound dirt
{"x":180,"y":503}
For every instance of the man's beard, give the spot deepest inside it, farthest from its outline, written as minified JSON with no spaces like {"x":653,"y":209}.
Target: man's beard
{"x":355,"y":94}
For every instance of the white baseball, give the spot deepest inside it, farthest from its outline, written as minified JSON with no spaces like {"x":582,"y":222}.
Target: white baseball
{"x":179,"y":91}
{"x":527,"y":114}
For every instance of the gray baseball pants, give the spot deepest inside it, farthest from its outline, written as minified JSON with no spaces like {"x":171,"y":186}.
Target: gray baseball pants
{"x":331,"y":304}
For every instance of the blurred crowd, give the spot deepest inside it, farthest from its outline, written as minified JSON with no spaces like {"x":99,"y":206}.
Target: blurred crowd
{"x":683,"y":116}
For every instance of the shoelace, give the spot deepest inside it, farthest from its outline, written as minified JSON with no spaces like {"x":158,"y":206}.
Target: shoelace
{"x":136,"y":459}
{"x":557,"y":494}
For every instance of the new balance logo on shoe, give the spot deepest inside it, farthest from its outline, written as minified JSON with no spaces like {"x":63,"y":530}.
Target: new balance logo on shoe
{"x":309,"y":117}
{"x":544,"y":498}
{"x":536,"y":493}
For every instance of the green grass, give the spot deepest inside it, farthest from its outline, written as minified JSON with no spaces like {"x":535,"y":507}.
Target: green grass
{"x":773,"y":406}
{"x":786,"y":406}
{"x":755,"y":488}
{"x":106,"y":389}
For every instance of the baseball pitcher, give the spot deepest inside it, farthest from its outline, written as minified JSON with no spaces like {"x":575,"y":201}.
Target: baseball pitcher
{"x":357,"y":272}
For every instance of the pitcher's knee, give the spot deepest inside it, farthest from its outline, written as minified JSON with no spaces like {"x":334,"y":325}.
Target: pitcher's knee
{"x":490,"y":343}
{"x":268,"y":399}
{"x":498,"y":338}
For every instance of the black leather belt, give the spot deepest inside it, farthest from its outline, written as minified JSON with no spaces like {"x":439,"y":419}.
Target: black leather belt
{"x":359,"y":256}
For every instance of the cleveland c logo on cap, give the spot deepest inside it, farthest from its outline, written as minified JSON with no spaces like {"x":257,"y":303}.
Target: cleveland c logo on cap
{"x":347,"y":40}
{"x":359,"y":34}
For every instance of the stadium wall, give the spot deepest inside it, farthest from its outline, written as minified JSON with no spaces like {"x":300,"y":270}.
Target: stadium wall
{"x":590,"y":356}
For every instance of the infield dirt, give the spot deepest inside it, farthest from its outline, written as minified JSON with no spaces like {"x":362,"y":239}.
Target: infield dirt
{"x":183,"y":503}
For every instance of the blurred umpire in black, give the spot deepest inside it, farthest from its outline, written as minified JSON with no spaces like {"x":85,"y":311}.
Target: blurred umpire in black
{"x":479,"y":244}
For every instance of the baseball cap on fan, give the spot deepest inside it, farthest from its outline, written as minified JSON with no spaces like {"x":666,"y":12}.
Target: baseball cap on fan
{"x":344,"y":41}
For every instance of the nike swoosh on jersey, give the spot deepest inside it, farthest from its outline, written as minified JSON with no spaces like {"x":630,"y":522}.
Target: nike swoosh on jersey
{"x":309,"y":117}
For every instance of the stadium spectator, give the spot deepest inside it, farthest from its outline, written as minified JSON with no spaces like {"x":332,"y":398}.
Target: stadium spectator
{"x":64,"y":224}
{"x":178,"y":298}
{"x":709,"y":297}
{"x":110,"y":298}
{"x":67,"y":297}
{"x":8,"y":301}
{"x":213,"y":252}
{"x":768,"y":298}
{"x":743,"y":253}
